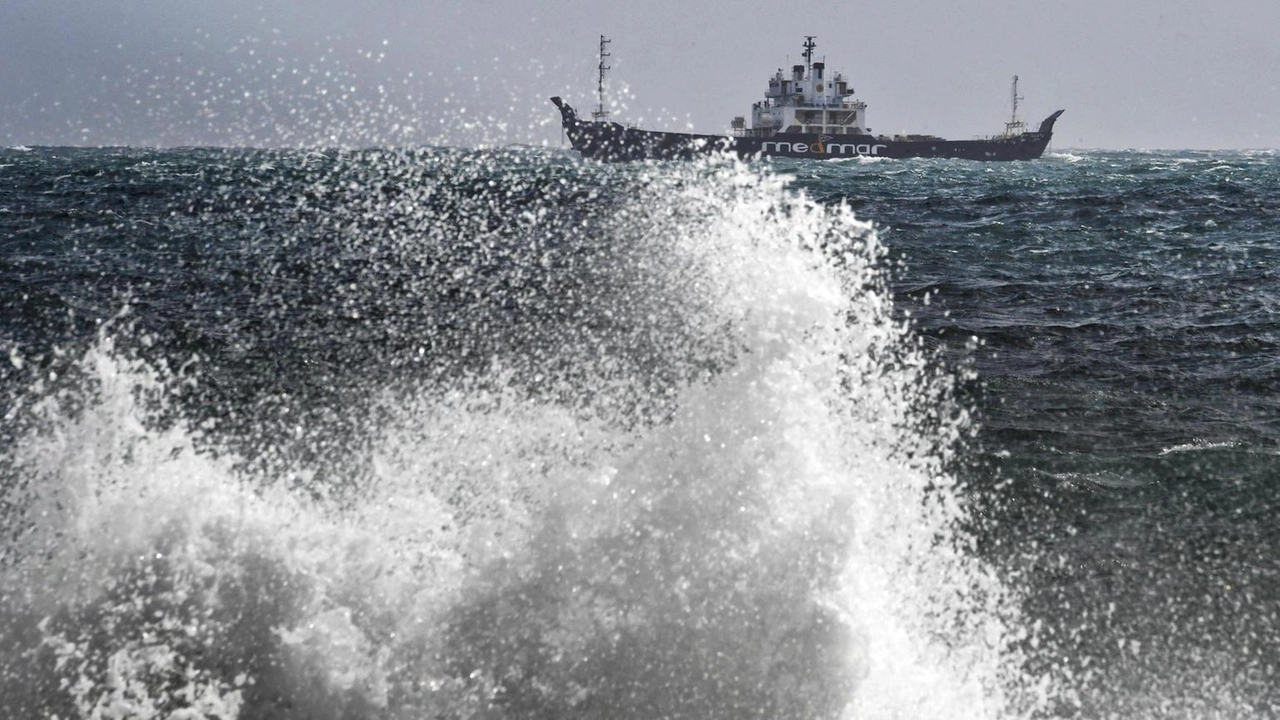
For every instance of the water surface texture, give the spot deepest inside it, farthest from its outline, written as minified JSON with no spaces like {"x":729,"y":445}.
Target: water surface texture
{"x":502,"y":434}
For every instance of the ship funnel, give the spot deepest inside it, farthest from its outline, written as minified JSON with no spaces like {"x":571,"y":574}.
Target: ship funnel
{"x":817,"y":70}
{"x":797,"y":72}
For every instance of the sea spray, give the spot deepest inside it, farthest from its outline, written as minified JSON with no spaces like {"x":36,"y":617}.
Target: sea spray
{"x":708,"y":478}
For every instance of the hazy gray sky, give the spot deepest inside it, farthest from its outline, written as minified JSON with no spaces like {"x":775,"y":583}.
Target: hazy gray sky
{"x":1130,"y":73}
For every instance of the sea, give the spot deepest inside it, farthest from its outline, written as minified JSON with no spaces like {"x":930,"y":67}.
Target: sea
{"x":501,"y":433}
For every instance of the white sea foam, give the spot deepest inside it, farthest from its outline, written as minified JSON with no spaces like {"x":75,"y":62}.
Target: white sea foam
{"x":1199,"y":444}
{"x":786,"y":543}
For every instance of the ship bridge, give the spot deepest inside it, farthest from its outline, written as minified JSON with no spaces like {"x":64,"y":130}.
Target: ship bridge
{"x":806,"y":101}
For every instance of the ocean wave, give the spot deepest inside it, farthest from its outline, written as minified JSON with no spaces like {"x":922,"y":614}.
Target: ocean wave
{"x":685,"y":461}
{"x":1199,"y":445}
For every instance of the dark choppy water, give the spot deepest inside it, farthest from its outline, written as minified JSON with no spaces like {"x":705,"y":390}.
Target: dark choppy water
{"x":500,"y":434}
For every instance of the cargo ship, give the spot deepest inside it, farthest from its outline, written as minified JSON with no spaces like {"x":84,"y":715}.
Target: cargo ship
{"x":804,"y":114}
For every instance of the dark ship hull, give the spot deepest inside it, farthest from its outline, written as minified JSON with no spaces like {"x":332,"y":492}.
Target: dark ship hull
{"x":612,"y":142}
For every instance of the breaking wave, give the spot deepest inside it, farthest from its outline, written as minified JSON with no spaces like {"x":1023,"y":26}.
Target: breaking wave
{"x":721,"y":490}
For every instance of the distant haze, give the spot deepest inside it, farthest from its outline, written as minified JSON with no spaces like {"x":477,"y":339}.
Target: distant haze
{"x":1130,"y":73}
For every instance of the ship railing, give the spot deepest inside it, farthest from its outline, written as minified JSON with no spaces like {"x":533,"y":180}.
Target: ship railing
{"x":1002,"y":137}
{"x":754,"y":132}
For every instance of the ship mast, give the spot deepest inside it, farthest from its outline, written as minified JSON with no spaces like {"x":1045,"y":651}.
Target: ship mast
{"x":1015,"y":125}
{"x":600,"y":113}
{"x":809,"y":45}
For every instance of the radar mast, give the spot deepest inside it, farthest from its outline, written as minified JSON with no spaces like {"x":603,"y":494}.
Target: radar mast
{"x":600,"y":113}
{"x":1015,"y":126}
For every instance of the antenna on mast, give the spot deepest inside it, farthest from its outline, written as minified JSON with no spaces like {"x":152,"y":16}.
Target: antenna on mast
{"x":1015,"y":125}
{"x":809,"y":45}
{"x":600,"y":113}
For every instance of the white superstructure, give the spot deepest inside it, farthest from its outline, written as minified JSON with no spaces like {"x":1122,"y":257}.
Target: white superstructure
{"x":806,"y":101}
